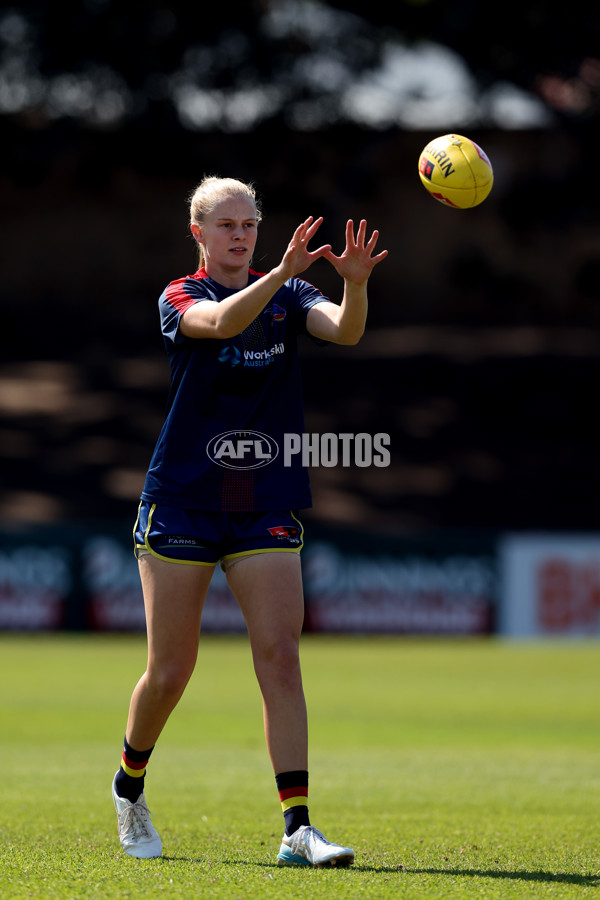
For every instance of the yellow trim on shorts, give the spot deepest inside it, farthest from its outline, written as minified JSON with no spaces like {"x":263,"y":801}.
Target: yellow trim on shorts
{"x":229,"y":556}
{"x":243,"y":553}
{"x":135,"y":544}
{"x":146,"y":546}
{"x":191,"y":562}
{"x":297,"y":549}
{"x":296,"y":519}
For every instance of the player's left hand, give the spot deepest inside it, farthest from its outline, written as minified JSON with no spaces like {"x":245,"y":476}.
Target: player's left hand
{"x":357,"y":261}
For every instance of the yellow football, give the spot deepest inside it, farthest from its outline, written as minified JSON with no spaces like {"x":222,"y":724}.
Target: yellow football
{"x":456,"y":171}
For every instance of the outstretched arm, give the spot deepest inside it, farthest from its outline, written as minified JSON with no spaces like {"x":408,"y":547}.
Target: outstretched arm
{"x":345,"y":324}
{"x":208,"y":319}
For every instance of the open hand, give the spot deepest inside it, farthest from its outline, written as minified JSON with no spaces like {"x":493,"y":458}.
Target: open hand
{"x":298,"y":257}
{"x":357,"y":261}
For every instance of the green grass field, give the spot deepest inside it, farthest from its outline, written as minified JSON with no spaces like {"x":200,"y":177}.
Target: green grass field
{"x":454,"y":768}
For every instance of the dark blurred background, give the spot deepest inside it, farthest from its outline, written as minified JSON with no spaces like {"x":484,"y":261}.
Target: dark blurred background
{"x":482,"y":355}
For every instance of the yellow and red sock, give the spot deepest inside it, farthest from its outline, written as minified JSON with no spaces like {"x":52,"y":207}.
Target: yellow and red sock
{"x":129,"y":782}
{"x":293,"y":794}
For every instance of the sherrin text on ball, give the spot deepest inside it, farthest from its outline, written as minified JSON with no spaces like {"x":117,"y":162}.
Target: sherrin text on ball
{"x":456,"y":171}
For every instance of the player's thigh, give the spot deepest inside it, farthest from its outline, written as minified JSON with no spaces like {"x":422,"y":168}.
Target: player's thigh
{"x":174,"y":596}
{"x":268,"y":589}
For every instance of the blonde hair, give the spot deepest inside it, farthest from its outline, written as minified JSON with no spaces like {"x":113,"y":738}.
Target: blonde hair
{"x":210,"y":192}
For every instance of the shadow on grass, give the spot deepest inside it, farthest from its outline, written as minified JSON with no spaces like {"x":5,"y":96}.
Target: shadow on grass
{"x":552,"y":877}
{"x":180,"y":859}
{"x":549,"y":877}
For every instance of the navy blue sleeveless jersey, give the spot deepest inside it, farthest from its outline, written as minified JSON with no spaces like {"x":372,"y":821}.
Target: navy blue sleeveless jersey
{"x":230,"y":404}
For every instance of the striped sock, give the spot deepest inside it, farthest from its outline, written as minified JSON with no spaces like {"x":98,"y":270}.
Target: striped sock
{"x":129,"y":781}
{"x":293,"y":793}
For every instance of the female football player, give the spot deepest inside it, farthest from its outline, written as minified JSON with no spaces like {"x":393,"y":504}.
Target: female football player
{"x":217,"y":490}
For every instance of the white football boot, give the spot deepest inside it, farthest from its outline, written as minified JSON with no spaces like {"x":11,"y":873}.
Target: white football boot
{"x":308,"y":847}
{"x":137,"y":834}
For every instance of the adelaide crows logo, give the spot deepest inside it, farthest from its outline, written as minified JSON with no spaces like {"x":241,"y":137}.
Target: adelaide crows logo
{"x":285,"y":533}
{"x":277,"y":312}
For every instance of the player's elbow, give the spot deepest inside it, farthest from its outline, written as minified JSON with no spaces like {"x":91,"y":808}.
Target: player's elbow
{"x":224,"y":326}
{"x":223,"y":330}
{"x":220,"y":331}
{"x":351,"y":338}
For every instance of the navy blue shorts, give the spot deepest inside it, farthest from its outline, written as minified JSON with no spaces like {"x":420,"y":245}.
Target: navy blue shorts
{"x":206,"y":537}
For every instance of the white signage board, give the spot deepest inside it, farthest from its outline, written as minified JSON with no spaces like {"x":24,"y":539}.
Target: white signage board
{"x":550,"y":585}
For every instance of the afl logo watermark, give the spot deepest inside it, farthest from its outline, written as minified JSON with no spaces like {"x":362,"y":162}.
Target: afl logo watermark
{"x":242,"y":450}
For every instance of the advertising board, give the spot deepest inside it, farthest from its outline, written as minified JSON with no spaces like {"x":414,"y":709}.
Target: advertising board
{"x":550,"y":585}
{"x":36,"y":582}
{"x":416,"y":590}
{"x":354,"y":582}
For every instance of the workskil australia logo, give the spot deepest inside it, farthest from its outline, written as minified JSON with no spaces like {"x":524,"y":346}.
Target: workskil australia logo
{"x":231,"y":355}
{"x":251,"y":358}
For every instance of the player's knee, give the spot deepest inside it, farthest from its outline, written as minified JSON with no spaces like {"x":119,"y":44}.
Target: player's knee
{"x":279,"y":662}
{"x":169,"y":681}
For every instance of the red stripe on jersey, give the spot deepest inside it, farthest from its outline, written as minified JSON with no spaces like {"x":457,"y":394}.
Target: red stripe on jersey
{"x":202,"y":273}
{"x":178,"y":297}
